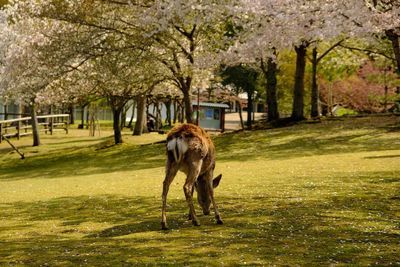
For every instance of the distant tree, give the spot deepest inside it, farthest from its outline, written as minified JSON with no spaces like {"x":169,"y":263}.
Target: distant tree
{"x":276,"y":26}
{"x":388,"y":14}
{"x":244,"y":79}
{"x":315,"y":60}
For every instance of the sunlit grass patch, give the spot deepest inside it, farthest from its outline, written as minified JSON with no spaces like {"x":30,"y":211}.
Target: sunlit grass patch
{"x":309,"y":194}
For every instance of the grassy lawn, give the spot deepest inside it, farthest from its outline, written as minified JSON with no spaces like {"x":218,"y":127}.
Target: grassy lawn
{"x":311,"y":194}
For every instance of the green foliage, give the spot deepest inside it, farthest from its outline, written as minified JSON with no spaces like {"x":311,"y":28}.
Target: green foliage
{"x":243,"y":78}
{"x":344,"y":112}
{"x":231,"y":29}
{"x":285,"y":79}
{"x":309,"y":195}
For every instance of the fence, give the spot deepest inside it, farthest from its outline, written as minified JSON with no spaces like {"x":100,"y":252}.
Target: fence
{"x":21,"y":126}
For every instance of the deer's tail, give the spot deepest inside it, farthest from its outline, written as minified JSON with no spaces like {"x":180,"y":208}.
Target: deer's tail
{"x":177,"y":147}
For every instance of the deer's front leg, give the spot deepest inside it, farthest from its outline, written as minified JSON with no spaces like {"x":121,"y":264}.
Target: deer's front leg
{"x":170,"y":172}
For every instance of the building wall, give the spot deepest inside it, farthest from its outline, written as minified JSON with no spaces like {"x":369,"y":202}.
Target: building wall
{"x":105,"y":113}
{"x":210,"y":118}
{"x":10,"y":109}
{"x":102,"y":113}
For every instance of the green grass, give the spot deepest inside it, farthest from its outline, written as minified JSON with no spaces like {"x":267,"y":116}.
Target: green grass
{"x":311,"y":194}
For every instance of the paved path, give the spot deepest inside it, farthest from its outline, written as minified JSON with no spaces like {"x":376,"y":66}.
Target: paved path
{"x":232,"y":120}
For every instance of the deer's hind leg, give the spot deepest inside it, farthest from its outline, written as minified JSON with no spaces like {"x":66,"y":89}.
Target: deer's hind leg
{"x":170,"y":173}
{"x":193,"y":173}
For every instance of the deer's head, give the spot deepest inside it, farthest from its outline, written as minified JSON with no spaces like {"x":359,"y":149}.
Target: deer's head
{"x":203,"y":193}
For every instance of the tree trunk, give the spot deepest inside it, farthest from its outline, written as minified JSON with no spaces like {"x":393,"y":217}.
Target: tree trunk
{"x":123,"y":118}
{"x":87,"y":118}
{"x":35,"y":124}
{"x":169,"y":113}
{"x":92,"y":120}
{"x":254,"y":109}
{"x":175,"y":111}
{"x":394,"y":39}
{"x":249,"y":109}
{"x":240,"y":114}
{"x":158,"y":117}
{"x":188,"y":106}
{"x":314,"y":89}
{"x":83,"y":116}
{"x":298,"y":96}
{"x":71,"y":113}
{"x":117,"y":124}
{"x":133,"y":115}
{"x":5,"y":112}
{"x":181,"y":113}
{"x":140,"y":116}
{"x":272,"y":102}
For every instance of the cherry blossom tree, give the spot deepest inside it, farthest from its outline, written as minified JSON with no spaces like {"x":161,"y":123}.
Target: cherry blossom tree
{"x":124,"y":48}
{"x":387,"y":15}
{"x":182,"y":33}
{"x":186,"y":34}
{"x":25,"y":75}
{"x":274,"y":26}
{"x":93,"y":41}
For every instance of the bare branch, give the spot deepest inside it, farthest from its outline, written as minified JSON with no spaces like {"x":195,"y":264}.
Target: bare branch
{"x":329,"y":50}
{"x":367,"y":51}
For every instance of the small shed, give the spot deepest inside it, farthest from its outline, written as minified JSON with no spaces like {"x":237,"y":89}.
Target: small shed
{"x":212,"y":116}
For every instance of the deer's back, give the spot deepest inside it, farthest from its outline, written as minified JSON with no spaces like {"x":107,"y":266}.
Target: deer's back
{"x":199,"y":144}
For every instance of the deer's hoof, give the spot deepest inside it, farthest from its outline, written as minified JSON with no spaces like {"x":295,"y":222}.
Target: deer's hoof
{"x":219,"y":221}
{"x":196,"y":223}
{"x":164,"y":226}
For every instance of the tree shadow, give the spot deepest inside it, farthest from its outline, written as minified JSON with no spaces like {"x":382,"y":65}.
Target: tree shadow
{"x":93,"y":159}
{"x":383,"y":157}
{"x":258,"y":229}
{"x":350,"y":227}
{"x":282,"y":143}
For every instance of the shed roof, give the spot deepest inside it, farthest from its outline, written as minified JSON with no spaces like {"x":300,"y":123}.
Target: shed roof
{"x":211,"y":105}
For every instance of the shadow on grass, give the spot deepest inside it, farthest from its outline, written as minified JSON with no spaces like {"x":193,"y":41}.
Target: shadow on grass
{"x":264,"y":229}
{"x":283,"y":143}
{"x":93,"y":159}
{"x":383,"y":157}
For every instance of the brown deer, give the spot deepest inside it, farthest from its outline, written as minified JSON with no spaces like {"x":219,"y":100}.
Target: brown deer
{"x":190,"y":150}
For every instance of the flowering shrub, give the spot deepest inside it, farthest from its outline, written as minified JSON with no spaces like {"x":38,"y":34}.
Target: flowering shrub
{"x":363,"y":91}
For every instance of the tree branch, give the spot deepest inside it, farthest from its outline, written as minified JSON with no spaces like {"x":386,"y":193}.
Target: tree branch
{"x":329,"y":50}
{"x":367,"y":51}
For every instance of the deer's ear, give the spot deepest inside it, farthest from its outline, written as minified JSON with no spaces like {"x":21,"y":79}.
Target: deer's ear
{"x":216,"y":180}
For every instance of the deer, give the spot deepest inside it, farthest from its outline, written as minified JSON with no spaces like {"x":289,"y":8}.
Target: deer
{"x":190,"y":150}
